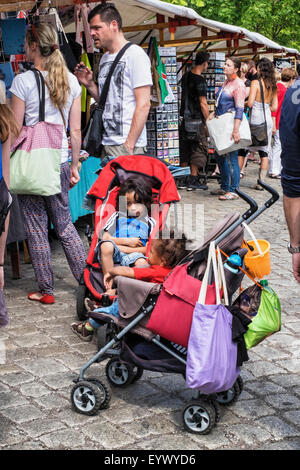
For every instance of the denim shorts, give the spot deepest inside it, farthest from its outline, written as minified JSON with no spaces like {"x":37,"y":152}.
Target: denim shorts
{"x":124,"y":259}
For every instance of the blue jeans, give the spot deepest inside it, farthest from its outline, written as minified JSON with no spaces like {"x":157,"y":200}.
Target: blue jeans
{"x":124,"y":259}
{"x":229,"y":171}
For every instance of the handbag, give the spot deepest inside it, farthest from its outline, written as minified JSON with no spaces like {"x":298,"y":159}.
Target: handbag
{"x":259,"y":132}
{"x":262,"y":306}
{"x":172,"y":315}
{"x":212,"y":355}
{"x":36,"y":154}
{"x":220,"y":131}
{"x":93,"y":132}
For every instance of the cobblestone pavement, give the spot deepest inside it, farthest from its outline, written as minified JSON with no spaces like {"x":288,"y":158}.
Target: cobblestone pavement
{"x":40,"y":356}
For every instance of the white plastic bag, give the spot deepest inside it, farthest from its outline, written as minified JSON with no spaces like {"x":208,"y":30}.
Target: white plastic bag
{"x":220,"y":131}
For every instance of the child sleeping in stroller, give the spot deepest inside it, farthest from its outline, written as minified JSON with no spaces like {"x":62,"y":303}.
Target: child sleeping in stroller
{"x":163,"y":256}
{"x":127,"y":231}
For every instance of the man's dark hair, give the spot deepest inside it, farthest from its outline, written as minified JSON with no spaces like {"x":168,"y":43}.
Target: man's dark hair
{"x":201,"y":57}
{"x":108,"y":13}
{"x":298,"y":69}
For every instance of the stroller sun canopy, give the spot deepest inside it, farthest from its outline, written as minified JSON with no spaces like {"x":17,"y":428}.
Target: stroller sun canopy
{"x":162,"y":179}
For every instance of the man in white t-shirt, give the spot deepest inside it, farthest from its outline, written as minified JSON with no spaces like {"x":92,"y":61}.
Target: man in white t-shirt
{"x":128,"y":100}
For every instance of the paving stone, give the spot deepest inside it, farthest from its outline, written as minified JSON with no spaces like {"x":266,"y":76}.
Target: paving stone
{"x":41,"y":426}
{"x":283,"y":401}
{"x":21,"y":414}
{"x":278,"y":427}
{"x":252,"y":409}
{"x":63,"y":439}
{"x":293,"y":416}
{"x":43,"y":356}
{"x":43,"y":366}
{"x":17,"y":379}
{"x":107,"y":435}
{"x":11,"y":399}
{"x":249,"y":433}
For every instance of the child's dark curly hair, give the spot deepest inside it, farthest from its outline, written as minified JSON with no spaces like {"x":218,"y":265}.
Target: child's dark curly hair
{"x":141,"y":187}
{"x":172,"y":249}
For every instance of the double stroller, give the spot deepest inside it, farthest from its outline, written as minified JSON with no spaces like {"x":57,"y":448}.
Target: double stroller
{"x":126,"y":342}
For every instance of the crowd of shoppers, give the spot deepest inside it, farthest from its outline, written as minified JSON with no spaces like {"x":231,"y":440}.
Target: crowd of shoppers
{"x":124,"y":118}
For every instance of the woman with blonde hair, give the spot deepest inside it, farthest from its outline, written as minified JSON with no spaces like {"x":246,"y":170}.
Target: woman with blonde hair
{"x":8,"y":128}
{"x":62,"y":106}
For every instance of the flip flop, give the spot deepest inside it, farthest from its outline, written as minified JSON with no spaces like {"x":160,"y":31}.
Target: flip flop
{"x":45,"y":299}
{"x":228,"y":197}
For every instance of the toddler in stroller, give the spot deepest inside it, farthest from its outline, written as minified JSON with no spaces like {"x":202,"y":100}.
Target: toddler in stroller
{"x":163,"y":256}
{"x":124,"y":237}
{"x":103,"y":198}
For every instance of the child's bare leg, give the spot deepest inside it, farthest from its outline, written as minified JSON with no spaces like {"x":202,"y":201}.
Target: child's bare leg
{"x":141,"y":262}
{"x":107,"y":252}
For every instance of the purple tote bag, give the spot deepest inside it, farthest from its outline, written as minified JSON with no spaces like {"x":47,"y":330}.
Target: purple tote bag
{"x":212,"y":355}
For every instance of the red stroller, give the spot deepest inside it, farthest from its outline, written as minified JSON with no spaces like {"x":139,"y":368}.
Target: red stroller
{"x":104,"y":192}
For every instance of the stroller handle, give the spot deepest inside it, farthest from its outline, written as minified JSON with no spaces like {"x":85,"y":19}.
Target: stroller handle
{"x":253,"y":205}
{"x":275,"y":194}
{"x":268,"y":203}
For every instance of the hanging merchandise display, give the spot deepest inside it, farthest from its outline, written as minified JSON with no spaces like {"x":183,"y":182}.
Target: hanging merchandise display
{"x":13,"y":35}
{"x":163,"y":120}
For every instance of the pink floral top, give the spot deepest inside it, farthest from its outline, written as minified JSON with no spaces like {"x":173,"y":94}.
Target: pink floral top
{"x":232,"y":98}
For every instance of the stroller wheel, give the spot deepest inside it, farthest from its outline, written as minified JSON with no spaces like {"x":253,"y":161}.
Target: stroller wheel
{"x":104,"y":390}
{"x":217,"y":409}
{"x":229,"y":396}
{"x":199,"y":417}
{"x":86,"y":398}
{"x":119,"y":374}
{"x":240,"y":383}
{"x":80,"y":307}
{"x":104,"y":334}
{"x":138,"y":371}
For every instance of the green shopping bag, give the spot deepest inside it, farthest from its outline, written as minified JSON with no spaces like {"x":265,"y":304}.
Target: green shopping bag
{"x":262,"y":306}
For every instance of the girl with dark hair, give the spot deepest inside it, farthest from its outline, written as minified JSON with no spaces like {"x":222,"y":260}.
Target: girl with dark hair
{"x":266,"y":76}
{"x":163,"y":257}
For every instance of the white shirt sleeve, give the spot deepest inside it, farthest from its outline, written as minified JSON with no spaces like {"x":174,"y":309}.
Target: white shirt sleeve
{"x":140,"y":67}
{"x":18,"y":87}
{"x":74,"y":85}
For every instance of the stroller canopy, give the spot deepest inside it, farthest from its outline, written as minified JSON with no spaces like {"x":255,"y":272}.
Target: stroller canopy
{"x":157,"y":171}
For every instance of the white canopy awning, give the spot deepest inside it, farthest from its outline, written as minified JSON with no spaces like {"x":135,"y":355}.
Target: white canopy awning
{"x":172,"y":25}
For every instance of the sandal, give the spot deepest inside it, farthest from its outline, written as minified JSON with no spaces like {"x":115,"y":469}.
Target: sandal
{"x":215,"y":173}
{"x":45,"y":299}
{"x":80,"y":330}
{"x":228,"y":197}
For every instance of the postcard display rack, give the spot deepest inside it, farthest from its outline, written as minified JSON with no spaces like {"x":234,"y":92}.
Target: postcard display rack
{"x":215,"y":77}
{"x":162,"y":123}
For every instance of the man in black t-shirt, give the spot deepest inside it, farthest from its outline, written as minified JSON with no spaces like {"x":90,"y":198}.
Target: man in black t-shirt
{"x":193,"y":143}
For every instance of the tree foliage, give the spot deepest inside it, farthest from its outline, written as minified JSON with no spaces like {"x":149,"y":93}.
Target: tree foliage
{"x":278,"y":20}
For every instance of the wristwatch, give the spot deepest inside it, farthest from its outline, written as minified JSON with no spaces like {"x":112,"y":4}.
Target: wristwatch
{"x":293,"y":249}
